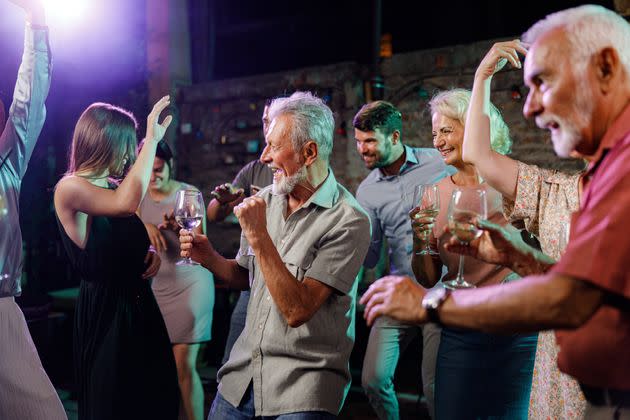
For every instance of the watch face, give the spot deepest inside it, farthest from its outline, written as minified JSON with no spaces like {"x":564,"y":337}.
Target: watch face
{"x":434,"y":297}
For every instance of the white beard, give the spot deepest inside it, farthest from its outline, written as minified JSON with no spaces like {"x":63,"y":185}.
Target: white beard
{"x":286,"y":184}
{"x":570,"y":135}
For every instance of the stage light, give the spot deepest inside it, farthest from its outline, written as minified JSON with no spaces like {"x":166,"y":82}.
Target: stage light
{"x":65,"y":9}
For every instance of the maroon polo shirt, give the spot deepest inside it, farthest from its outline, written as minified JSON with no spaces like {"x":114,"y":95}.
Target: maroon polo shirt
{"x":598,"y":353}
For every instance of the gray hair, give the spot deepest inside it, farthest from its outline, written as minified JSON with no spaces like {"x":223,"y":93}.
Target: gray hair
{"x":312,"y":120}
{"x":454,"y":104}
{"x":589,"y":28}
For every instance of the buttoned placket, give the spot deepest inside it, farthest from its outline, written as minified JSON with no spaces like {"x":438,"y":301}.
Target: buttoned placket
{"x":264,"y":308}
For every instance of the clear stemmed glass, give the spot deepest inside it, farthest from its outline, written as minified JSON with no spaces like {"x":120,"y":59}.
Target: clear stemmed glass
{"x":189,"y":210}
{"x":426,"y":200}
{"x":466,"y":205}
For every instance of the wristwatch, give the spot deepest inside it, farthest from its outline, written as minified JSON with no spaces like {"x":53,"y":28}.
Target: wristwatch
{"x":433,"y":300}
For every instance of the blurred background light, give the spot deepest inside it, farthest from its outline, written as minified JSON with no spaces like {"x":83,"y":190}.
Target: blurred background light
{"x":65,"y":10}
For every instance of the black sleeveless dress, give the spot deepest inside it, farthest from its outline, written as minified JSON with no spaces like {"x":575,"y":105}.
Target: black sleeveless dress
{"x":123,"y":359}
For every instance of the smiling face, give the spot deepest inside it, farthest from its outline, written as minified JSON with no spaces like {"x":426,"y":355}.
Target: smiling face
{"x":160,"y":175}
{"x":280,"y":156}
{"x":448,"y":137}
{"x":559,"y":99}
{"x":375,"y":148}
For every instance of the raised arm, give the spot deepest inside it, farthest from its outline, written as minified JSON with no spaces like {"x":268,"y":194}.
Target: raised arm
{"x":27,"y":112}
{"x":499,"y":171}
{"x":75,"y":194}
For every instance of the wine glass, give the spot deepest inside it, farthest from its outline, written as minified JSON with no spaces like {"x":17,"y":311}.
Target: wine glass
{"x":189,"y":210}
{"x":427,"y":200}
{"x":466,"y":205}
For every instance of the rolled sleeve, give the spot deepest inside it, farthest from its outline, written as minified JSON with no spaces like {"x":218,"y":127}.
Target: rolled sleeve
{"x":339,"y":258}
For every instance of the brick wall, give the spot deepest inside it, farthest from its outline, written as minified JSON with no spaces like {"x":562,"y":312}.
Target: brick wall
{"x":220,"y":120}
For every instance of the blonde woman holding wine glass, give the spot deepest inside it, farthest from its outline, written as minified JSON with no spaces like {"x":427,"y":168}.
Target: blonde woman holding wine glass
{"x":477,"y":375}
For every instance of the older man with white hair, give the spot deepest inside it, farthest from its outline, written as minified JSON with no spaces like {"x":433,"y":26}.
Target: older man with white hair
{"x":578,"y":72}
{"x":303,"y":241}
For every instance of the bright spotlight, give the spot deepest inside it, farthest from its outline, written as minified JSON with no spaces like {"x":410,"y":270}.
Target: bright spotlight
{"x":65,"y":9}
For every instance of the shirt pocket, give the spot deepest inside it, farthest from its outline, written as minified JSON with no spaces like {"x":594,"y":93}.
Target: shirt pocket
{"x":297,"y":266}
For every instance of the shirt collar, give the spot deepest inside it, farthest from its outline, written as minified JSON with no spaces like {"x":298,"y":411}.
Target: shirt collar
{"x":410,"y":160}
{"x":615,"y":133}
{"x":327,"y":194}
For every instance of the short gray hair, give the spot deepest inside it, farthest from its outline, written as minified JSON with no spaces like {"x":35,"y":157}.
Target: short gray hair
{"x":454,"y":104}
{"x":589,"y":28}
{"x":312,"y":120}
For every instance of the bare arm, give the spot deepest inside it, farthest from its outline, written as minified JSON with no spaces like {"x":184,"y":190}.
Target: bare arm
{"x":501,"y":172}
{"x":530,"y":304}
{"x":76,"y":194}
{"x":225,"y":198}
{"x":225,"y":270}
{"x":297,"y":301}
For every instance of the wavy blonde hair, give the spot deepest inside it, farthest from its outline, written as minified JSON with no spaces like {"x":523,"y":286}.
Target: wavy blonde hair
{"x":454,"y":104}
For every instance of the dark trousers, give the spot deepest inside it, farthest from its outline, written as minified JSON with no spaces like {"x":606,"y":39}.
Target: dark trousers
{"x":483,"y":376}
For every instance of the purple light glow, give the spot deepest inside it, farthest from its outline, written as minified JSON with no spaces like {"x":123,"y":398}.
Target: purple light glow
{"x":66,"y":10}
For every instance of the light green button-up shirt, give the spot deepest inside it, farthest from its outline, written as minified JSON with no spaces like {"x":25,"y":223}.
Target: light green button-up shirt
{"x":304,"y":368}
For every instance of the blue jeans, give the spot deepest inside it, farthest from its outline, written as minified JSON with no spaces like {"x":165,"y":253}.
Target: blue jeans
{"x":223,"y":410}
{"x":483,"y":376}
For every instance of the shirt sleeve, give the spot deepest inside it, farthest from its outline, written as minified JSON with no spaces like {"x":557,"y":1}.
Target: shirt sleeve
{"x":599,"y":245}
{"x":376,"y":241}
{"x":244,"y":177}
{"x":527,"y":203}
{"x":27,"y":112}
{"x":339,"y":257}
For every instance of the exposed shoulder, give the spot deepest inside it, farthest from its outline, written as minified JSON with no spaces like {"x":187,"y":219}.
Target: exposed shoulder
{"x":70,"y":183}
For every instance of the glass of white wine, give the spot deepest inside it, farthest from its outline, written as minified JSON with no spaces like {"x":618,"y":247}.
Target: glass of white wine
{"x":426,"y":200}
{"x":189,"y":210}
{"x":466,"y":205}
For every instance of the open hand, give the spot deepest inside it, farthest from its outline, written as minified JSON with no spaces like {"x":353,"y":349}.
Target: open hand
{"x":397,"y":297}
{"x":227,"y":193}
{"x":155,"y":130}
{"x":169,"y":223}
{"x":496,"y":245}
{"x":499,"y":55}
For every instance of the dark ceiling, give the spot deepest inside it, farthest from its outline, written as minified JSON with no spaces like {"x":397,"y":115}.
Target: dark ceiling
{"x":234,"y":38}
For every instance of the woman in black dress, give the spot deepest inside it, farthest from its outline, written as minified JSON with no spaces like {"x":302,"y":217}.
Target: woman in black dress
{"x":122,"y":354}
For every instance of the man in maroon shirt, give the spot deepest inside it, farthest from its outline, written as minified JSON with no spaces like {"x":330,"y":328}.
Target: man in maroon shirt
{"x":578,"y":73}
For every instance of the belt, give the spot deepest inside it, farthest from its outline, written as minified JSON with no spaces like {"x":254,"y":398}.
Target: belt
{"x":606,"y":396}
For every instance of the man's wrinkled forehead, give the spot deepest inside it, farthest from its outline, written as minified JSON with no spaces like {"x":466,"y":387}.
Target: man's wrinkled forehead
{"x":546,"y":53}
